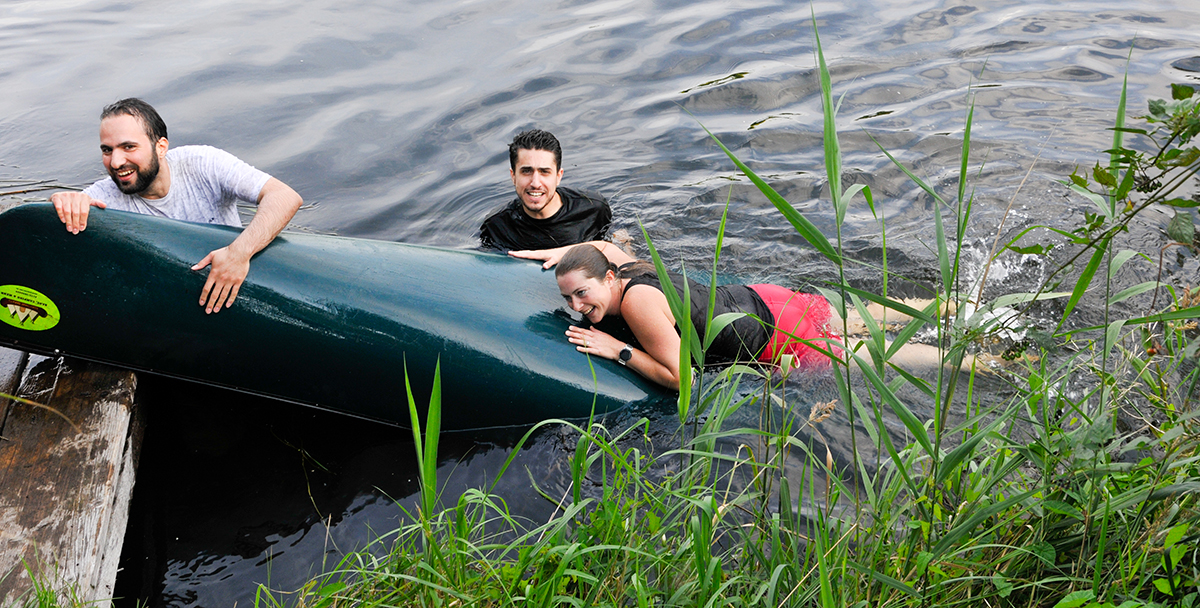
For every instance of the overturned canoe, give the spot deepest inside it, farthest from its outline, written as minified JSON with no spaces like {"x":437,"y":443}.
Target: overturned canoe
{"x":323,"y":321}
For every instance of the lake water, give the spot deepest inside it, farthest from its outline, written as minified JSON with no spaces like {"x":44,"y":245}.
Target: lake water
{"x":392,"y":120}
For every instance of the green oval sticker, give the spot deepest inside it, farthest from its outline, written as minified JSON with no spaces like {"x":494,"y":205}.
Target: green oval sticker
{"x":27,"y":308}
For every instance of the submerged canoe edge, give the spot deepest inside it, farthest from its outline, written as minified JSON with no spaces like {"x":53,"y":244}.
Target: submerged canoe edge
{"x":323,"y":321}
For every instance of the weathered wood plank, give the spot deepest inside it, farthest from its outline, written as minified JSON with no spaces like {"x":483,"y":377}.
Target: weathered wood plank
{"x":65,"y":492}
{"x":11,"y":364}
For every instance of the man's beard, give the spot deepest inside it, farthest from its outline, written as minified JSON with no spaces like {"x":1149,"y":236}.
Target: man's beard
{"x":144,"y":178}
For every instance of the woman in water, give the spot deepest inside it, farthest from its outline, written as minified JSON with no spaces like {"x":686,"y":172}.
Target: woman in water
{"x":600,"y":280}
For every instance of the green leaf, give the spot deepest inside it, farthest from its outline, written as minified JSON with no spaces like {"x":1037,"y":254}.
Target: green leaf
{"x":1129,"y":292}
{"x":1126,"y":184}
{"x":865,"y":189}
{"x":943,"y":250}
{"x":1175,"y":535}
{"x":833,"y":150}
{"x":1103,"y":177}
{"x":330,"y":589}
{"x":1181,"y":91}
{"x":709,"y":331}
{"x":1162,"y":585}
{"x":1119,"y":260}
{"x":923,"y":559}
{"x":1062,"y":508}
{"x":719,"y":323}
{"x":427,"y":447}
{"x":1158,"y":108}
{"x":653,"y":522}
{"x":433,"y":430}
{"x":1044,"y":551}
{"x":1190,"y":312}
{"x":1181,"y":229}
{"x":1112,"y":334}
{"x":1184,"y":158}
{"x":1030,"y":250}
{"x":1182,"y":203}
{"x":1118,"y":136}
{"x":1095,"y":198}
{"x":1021,"y":298}
{"x":1176,"y":554}
{"x":1079,"y":180}
{"x":1076,"y":599}
{"x":1003,"y":585}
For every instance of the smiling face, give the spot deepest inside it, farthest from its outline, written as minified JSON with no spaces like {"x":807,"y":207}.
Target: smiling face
{"x":589,"y":296}
{"x":129,"y":156}
{"x":536,"y":178}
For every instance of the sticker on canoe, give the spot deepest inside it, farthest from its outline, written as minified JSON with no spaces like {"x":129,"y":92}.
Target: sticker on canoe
{"x":27,"y":308}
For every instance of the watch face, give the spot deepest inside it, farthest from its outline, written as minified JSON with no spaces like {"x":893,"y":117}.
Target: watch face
{"x":626,"y":353}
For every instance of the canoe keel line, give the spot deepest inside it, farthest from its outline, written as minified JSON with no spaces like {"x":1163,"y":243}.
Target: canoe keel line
{"x":323,"y":321}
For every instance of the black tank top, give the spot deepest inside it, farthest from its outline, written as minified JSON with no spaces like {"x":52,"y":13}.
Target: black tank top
{"x":741,"y":340}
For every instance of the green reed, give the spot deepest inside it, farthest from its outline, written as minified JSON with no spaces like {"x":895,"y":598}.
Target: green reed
{"x":1035,"y":496}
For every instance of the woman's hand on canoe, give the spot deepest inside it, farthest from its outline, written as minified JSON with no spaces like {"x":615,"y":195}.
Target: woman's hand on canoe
{"x":594,"y":342}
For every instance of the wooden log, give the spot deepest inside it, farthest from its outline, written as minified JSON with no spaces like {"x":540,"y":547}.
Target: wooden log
{"x":66,"y":484}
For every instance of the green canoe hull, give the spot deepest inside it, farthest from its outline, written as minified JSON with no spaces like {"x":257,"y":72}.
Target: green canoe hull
{"x":323,"y":321}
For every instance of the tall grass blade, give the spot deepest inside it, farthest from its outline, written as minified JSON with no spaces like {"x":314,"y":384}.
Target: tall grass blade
{"x":709,"y":332}
{"x":806,"y":229}
{"x":1085,"y":279}
{"x":426,"y":445}
{"x":689,"y":342}
{"x":902,"y":411}
{"x":962,"y":529}
{"x":833,"y":151}
{"x":949,"y":465}
{"x":433,"y":431}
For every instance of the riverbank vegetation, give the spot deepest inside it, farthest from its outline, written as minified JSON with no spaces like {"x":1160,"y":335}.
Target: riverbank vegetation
{"x":1077,"y":487}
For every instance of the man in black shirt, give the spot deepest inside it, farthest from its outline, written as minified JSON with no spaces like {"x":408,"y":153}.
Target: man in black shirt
{"x":545,"y":215}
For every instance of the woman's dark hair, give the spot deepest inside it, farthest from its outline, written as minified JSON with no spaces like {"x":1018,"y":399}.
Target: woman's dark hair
{"x":587,"y":258}
{"x":594,"y":264}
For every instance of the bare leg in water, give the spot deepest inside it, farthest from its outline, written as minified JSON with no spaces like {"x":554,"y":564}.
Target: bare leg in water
{"x":910,"y":355}
{"x":882,"y":317}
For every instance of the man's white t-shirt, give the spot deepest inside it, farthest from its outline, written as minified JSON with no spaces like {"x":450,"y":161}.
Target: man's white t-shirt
{"x":206,"y":184}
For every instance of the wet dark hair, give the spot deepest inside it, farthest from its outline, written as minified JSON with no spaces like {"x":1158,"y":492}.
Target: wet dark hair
{"x":594,"y":264}
{"x":155,"y":128}
{"x":587,"y":258}
{"x":534,"y":139}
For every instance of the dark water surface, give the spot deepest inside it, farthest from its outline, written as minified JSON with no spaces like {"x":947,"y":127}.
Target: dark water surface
{"x":392,"y":119}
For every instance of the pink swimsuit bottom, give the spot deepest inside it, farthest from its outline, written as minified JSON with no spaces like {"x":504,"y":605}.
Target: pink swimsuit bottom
{"x":798,"y":316}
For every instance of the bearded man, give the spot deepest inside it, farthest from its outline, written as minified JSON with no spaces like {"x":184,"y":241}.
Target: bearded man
{"x":191,"y":183}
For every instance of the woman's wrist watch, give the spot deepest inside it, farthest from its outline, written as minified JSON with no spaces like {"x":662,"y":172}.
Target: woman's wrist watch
{"x":625,"y":355}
